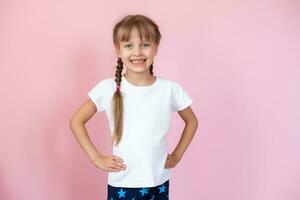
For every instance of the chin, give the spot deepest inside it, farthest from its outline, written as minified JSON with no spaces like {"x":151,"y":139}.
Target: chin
{"x":137,"y":69}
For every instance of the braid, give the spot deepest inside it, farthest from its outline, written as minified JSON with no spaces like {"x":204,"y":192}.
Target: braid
{"x":118,"y":74}
{"x":118,"y":104}
{"x":151,"y":69}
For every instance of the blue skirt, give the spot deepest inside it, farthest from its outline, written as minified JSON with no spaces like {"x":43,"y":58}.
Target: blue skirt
{"x":160,"y":192}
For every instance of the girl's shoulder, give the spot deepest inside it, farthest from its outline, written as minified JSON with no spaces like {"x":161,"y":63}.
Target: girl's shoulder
{"x":106,"y":83}
{"x":108,"y":80}
{"x":170,"y":82}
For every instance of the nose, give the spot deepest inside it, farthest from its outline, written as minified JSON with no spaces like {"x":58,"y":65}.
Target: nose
{"x":137,"y":51}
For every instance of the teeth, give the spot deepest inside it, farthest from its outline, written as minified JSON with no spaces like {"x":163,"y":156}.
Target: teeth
{"x":137,"y":61}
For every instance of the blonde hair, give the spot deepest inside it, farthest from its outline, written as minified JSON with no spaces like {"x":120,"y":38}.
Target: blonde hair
{"x":148,"y":30}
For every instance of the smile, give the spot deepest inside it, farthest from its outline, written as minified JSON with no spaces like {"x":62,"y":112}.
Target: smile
{"x":138,"y":61}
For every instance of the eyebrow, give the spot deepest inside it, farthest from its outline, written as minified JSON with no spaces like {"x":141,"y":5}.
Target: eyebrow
{"x":141,"y":41}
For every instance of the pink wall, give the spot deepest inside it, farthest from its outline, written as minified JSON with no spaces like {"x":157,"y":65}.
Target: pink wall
{"x":237,"y":59}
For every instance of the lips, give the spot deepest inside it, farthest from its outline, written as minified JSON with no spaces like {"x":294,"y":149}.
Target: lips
{"x":137,"y":61}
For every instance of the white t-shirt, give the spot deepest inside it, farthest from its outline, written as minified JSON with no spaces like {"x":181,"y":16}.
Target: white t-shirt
{"x":147,"y":113}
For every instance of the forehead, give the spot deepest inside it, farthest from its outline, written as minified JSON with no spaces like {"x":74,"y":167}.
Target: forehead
{"x":135,"y":34}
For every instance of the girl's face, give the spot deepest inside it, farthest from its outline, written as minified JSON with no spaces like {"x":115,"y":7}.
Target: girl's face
{"x":137,"y":54}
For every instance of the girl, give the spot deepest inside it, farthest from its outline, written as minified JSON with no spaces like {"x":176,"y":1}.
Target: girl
{"x":138,"y":107}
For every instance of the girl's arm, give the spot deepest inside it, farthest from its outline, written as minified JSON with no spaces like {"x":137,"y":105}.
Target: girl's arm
{"x":191,"y":125}
{"x":77,"y":124}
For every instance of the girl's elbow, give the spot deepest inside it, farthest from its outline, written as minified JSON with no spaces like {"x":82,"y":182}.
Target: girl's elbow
{"x":74,"y":122}
{"x":194,"y":122}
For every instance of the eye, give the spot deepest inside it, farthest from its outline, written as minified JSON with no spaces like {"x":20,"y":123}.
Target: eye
{"x":127,"y":45}
{"x":146,"y":45}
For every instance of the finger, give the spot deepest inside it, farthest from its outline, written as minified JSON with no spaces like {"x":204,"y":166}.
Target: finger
{"x":115,"y":158}
{"x":119,"y":165}
{"x":118,"y":161}
{"x":114,"y":169}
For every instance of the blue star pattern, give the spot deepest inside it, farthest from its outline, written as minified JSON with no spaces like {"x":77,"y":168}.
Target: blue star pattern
{"x":121,"y":193}
{"x":160,"y":192}
{"x":144,"y":191}
{"x":162,"y":189}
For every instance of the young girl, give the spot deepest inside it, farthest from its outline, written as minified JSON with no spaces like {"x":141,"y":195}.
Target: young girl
{"x":138,"y":106}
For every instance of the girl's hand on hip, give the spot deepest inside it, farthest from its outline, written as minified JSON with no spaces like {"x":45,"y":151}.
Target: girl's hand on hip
{"x":172,"y":161}
{"x":110,"y":163}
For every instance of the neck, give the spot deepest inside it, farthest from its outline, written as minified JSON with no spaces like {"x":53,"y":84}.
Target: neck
{"x":140,"y":79}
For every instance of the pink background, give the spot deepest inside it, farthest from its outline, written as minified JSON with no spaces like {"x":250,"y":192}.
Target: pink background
{"x":238,"y":60}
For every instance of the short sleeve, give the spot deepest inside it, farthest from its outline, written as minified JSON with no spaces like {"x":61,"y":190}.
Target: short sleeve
{"x":98,"y":95}
{"x":180,"y":98}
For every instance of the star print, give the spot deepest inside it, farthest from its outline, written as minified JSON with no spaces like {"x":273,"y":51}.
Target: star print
{"x":121,"y":193}
{"x":144,"y":191}
{"x":162,"y":189}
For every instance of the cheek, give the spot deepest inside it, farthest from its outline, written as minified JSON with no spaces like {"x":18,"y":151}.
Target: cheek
{"x":149,"y":53}
{"x":125,"y":56}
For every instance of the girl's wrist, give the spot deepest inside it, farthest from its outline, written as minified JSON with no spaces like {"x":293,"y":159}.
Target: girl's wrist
{"x":176,"y":156}
{"x":96,"y":157}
